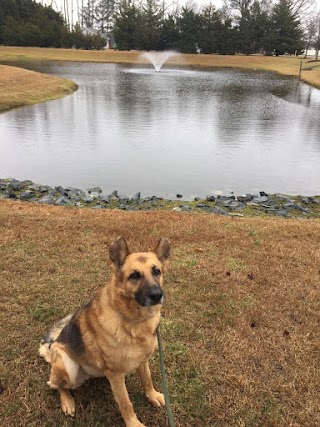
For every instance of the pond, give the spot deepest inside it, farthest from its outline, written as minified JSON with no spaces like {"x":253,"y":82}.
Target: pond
{"x":177,"y":131}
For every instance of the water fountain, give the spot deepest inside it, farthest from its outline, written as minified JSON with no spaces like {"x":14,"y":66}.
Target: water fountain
{"x":157,"y":59}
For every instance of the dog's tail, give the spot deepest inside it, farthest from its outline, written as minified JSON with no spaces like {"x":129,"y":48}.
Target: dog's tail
{"x":51,"y":336}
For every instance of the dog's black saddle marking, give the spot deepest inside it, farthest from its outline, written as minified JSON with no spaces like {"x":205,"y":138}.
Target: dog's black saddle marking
{"x":71,"y":335}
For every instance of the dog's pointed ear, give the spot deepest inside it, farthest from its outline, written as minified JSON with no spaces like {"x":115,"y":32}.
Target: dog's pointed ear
{"x":119,"y":251}
{"x":163,"y":249}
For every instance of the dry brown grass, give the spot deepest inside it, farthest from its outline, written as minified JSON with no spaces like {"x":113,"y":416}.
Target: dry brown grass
{"x":23,"y":87}
{"x":240,"y":326}
{"x":288,"y":65}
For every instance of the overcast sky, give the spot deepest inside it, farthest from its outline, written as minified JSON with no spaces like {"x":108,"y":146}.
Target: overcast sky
{"x":58,"y":4}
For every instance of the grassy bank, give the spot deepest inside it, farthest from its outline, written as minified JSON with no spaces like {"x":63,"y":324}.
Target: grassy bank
{"x":20,"y":87}
{"x":240,"y":326}
{"x":285,"y":64}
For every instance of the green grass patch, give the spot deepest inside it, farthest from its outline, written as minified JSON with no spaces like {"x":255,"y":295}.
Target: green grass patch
{"x":235,"y":264}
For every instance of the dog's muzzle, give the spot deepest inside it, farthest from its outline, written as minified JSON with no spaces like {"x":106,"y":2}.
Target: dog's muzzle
{"x":150,"y":295}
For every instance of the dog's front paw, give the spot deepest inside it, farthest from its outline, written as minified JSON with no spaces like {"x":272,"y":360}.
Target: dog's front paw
{"x":67,"y":405}
{"x":156,"y":398}
{"x":69,"y":409}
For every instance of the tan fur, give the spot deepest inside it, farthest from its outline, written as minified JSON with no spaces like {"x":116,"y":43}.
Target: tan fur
{"x":115,"y":333}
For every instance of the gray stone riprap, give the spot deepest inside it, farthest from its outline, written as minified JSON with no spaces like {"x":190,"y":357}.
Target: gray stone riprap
{"x":263,"y":204}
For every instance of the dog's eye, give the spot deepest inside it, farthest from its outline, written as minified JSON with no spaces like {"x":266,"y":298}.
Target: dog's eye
{"x":135,"y":275}
{"x":156,"y":272}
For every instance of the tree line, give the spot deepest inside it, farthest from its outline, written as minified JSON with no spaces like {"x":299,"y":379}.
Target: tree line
{"x":28,"y":23}
{"x":241,"y":26}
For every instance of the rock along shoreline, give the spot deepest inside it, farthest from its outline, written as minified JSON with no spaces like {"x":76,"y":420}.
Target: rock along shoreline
{"x":261,"y":204}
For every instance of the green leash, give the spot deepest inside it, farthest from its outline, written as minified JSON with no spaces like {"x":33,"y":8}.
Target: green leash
{"x":164,"y":381}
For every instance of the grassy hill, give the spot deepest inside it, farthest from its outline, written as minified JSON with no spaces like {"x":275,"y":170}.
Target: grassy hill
{"x":19,"y":87}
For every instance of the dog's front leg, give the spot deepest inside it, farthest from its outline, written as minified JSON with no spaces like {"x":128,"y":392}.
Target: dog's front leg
{"x":120,"y":393}
{"x":67,"y":402}
{"x":156,"y":398}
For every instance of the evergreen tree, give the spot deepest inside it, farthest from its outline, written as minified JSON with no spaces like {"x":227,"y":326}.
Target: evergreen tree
{"x":260,"y":26}
{"x":211,"y":29}
{"x":245,"y":32}
{"x":169,"y":34}
{"x":27,"y":23}
{"x":252,"y":24}
{"x":229,"y":39}
{"x":127,"y":25}
{"x":7,"y":9}
{"x":253,"y":28}
{"x":150,"y":28}
{"x":189,"y":26}
{"x":286,"y":35}
{"x":242,"y":12}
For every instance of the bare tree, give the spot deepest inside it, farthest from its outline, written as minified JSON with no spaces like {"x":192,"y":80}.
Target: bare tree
{"x":103,"y":15}
{"x":240,"y":6}
{"x":317,"y":36}
{"x":310,"y":33}
{"x":302,"y":7}
{"x":66,"y":12}
{"x":87,"y":13}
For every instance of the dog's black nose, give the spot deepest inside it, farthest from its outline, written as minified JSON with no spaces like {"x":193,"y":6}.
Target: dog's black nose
{"x":149,"y":295}
{"x":155,"y":294}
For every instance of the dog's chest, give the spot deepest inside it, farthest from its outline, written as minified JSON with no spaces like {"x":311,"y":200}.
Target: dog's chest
{"x":130,"y":351}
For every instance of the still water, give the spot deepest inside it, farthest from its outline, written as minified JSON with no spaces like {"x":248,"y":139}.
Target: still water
{"x":176,"y":131}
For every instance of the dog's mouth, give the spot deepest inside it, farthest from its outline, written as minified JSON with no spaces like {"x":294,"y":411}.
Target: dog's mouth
{"x":148,"y":296}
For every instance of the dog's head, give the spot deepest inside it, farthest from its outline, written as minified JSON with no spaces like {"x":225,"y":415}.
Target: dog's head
{"x":140,"y":275}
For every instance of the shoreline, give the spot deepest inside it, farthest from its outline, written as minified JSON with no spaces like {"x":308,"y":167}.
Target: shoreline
{"x":260,"y":204}
{"x":20,"y":87}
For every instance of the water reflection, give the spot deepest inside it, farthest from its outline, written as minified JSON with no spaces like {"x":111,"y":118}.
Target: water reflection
{"x":184,"y":131}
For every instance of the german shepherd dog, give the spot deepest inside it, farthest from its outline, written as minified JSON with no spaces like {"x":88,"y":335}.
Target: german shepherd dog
{"x":115,"y":333}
